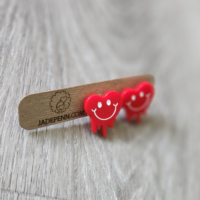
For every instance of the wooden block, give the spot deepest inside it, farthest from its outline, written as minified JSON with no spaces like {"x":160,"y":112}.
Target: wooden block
{"x":56,"y":106}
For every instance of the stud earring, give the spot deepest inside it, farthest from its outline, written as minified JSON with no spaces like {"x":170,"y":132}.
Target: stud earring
{"x":137,"y":100}
{"x":103,"y":110}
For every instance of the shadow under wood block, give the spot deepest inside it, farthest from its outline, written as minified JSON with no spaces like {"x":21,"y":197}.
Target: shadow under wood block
{"x":126,"y":132}
{"x":122,"y":129}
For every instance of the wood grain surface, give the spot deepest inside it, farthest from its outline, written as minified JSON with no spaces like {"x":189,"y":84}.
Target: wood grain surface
{"x":48,"y":45}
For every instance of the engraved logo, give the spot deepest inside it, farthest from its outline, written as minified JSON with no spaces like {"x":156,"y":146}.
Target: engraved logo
{"x":60,"y":101}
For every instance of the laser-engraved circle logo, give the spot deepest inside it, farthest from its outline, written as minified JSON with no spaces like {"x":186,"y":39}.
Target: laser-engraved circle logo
{"x":60,"y":101}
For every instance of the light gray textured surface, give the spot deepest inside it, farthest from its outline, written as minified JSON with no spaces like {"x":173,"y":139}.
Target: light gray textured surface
{"x":46,"y":45}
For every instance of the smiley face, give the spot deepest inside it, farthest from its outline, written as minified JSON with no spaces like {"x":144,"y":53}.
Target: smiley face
{"x":137,"y":100}
{"x":103,"y":109}
{"x":108,"y":103}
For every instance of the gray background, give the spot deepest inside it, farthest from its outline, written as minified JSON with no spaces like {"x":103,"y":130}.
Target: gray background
{"x":46,"y":45}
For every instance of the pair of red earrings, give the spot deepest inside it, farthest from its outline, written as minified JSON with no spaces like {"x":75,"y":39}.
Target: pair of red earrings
{"x":103,"y":110}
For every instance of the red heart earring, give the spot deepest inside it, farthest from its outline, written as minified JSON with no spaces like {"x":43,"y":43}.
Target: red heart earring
{"x":103,"y":110}
{"x":137,"y":100}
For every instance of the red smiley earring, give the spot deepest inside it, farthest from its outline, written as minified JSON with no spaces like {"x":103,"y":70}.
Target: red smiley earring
{"x":103,"y":110}
{"x":137,"y":100}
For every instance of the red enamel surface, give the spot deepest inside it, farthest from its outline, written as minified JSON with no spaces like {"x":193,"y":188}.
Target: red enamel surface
{"x":103,"y":110}
{"x":137,"y":100}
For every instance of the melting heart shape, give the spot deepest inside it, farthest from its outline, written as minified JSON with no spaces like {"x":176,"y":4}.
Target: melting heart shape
{"x":136,"y":101}
{"x":103,"y":110}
